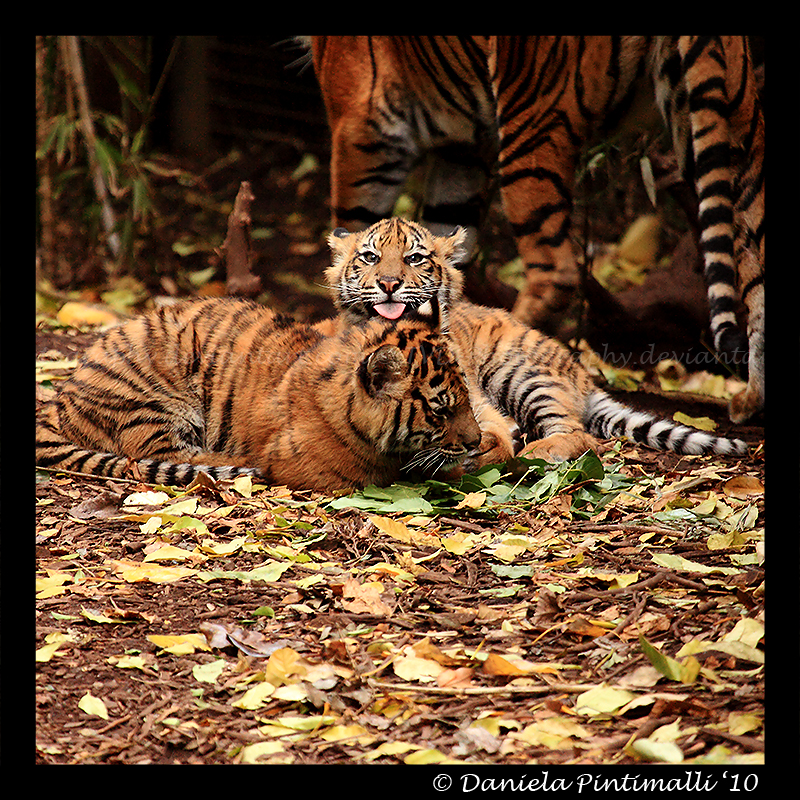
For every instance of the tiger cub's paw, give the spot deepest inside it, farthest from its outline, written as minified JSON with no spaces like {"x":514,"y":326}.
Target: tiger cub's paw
{"x":560,"y":446}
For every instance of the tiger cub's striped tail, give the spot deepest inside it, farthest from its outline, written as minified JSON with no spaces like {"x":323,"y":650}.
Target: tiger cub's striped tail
{"x":53,"y":451}
{"x":606,"y":418}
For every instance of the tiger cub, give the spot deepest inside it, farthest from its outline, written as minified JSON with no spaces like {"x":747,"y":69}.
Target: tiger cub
{"x":227,"y":387}
{"x":398,"y":269}
{"x":523,"y":107}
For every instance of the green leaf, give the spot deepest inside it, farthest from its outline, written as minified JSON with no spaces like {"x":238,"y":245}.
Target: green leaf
{"x":512,"y":571}
{"x":685,"y":671}
{"x":666,"y":752}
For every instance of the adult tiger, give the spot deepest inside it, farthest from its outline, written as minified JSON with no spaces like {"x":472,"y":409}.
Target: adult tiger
{"x":227,"y":387}
{"x":519,"y":380}
{"x":524,"y":106}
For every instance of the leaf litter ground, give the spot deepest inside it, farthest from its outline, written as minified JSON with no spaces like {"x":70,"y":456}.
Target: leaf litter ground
{"x":608,"y":611}
{"x":604,"y":611}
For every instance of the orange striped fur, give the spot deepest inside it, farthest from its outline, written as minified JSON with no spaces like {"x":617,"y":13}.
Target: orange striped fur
{"x":228,"y":387}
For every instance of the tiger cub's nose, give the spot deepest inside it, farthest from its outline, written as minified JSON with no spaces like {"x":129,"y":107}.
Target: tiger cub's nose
{"x":388,"y":284}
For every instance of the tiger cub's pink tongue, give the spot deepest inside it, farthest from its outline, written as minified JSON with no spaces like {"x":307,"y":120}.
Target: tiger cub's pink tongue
{"x":390,"y":310}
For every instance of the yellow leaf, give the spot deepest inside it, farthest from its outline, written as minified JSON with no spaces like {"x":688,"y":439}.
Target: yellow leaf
{"x":303,"y":723}
{"x":180,"y":644}
{"x":395,"y":748}
{"x":292,"y":693}
{"x":641,"y":241}
{"x":338,"y":732}
{"x":127,"y":662}
{"x":392,"y":527}
{"x":508,"y":552}
{"x":186,"y":506}
{"x":93,"y":706}
{"x":133,"y":572}
{"x":554,"y":732}
{"x":98,"y":616}
{"x":146,"y":499}
{"x":472,"y":500}
{"x":701,"y":423}
{"x":208,"y":673}
{"x":413,"y":668}
{"x":459,"y":543}
{"x":283,"y":664}
{"x":151,"y":525}
{"x":255,"y":697}
{"x":46,"y":652}
{"x":77,"y":315}
{"x":602,"y":700}
{"x":212,"y":548}
{"x":429,"y":756}
{"x":52,"y":585}
{"x":243,"y":484}
{"x":665,"y":752}
{"x":747,"y":630}
{"x":169,"y":552}
{"x":740,"y":723}
{"x":254,"y":753}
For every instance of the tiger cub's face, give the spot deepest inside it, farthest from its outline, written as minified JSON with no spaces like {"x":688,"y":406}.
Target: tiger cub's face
{"x":395,"y":268}
{"x":425,"y":417}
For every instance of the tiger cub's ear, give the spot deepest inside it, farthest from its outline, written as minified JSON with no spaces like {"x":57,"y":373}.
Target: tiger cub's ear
{"x":340,"y":247}
{"x":383,"y":370}
{"x":453,"y":247}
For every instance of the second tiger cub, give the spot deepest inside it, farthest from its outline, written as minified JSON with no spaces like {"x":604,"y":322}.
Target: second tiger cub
{"x":398,"y":269}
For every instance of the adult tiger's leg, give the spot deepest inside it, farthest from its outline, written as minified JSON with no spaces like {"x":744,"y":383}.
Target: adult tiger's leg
{"x":372,"y":147}
{"x":536,"y":164}
{"x":727,"y":136}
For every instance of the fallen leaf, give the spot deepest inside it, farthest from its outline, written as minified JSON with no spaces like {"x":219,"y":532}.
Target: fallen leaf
{"x":259,"y":753}
{"x":356,"y":732}
{"x":168,"y":552}
{"x":146,"y":499}
{"x":392,"y":527}
{"x":743,"y":486}
{"x":255,"y":697}
{"x":93,"y":706}
{"x":364,"y":598}
{"x":701,"y":423}
{"x":208,"y":673}
{"x":128,"y":662}
{"x":684,"y":671}
{"x":53,"y":584}
{"x":747,"y":630}
{"x":78,"y":315}
{"x":429,"y":756}
{"x":649,"y":750}
{"x":283,"y":665}
{"x":47,"y":651}
{"x":472,"y":500}
{"x":396,"y":748}
{"x":133,"y":572}
{"x":180,"y":644}
{"x":497,"y":665}
{"x":602,"y":700}
{"x":681,"y":564}
{"x":413,"y":668}
{"x":741,"y":723}
{"x":455,"y":677}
